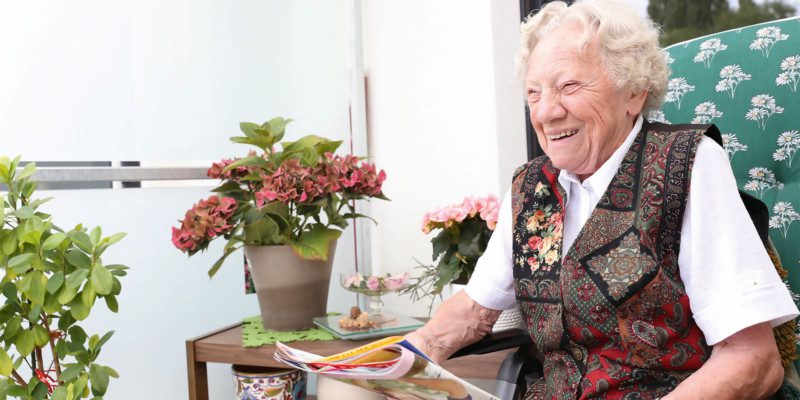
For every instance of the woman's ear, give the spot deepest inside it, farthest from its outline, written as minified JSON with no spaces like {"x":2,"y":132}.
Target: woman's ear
{"x":636,"y":102}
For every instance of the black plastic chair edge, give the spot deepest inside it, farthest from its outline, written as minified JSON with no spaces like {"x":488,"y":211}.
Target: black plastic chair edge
{"x":496,"y":341}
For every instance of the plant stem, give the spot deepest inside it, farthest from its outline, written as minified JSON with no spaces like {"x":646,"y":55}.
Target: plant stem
{"x":52,"y":347}
{"x":39,"y":358}
{"x":18,"y":378}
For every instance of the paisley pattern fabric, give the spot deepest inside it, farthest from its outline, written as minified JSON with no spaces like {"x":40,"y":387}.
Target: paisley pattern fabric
{"x":612,"y":320}
{"x":747,"y":82}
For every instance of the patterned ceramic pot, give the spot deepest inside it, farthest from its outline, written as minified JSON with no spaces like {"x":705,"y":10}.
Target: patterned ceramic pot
{"x":259,"y":383}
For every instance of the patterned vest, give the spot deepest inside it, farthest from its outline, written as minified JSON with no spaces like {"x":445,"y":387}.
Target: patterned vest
{"x":612,"y":320}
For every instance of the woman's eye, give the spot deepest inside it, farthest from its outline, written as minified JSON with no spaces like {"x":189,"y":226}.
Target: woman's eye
{"x":533,"y":94}
{"x":569,"y":87}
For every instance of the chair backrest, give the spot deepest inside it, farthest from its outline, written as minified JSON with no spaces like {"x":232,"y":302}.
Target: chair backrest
{"x":747,"y":82}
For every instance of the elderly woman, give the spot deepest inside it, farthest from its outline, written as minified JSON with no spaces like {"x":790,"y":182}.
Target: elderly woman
{"x":625,"y":246}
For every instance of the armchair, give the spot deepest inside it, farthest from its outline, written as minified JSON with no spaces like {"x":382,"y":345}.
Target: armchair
{"x":746,"y":82}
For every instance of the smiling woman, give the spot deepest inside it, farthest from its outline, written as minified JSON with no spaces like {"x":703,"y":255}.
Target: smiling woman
{"x":601,"y":244}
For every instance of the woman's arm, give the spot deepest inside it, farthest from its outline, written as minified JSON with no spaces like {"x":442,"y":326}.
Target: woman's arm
{"x":459,"y":321}
{"x":746,"y":365}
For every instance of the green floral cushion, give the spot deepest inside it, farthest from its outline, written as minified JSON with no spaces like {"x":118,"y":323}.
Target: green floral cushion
{"x":746,"y":82}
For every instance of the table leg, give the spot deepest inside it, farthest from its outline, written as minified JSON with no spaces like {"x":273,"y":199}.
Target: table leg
{"x":198,"y":375}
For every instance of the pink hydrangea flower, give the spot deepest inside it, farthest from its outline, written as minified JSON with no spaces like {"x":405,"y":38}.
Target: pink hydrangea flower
{"x":206,"y":220}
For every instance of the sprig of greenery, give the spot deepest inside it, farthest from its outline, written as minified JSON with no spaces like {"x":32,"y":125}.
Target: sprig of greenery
{"x":52,"y":279}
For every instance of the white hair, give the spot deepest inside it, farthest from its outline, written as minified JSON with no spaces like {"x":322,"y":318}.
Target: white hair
{"x":629,"y":50}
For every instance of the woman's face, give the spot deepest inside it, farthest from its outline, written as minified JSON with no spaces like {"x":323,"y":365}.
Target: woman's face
{"x":580,"y":117}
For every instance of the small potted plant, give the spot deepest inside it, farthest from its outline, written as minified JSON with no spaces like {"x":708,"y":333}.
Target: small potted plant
{"x":286,"y":207}
{"x":464,"y":230}
{"x":52,"y":279}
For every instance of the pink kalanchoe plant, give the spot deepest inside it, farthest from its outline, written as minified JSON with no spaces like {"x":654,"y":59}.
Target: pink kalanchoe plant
{"x":465,"y":231}
{"x":301,"y":195}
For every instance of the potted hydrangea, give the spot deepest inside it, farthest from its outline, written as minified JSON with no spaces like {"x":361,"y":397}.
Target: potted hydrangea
{"x":286,"y":207}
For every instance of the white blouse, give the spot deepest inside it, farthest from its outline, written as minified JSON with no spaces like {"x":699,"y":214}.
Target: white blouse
{"x":728,"y":275}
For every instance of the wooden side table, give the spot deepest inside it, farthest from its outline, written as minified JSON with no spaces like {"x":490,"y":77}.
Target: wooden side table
{"x":224,"y":346}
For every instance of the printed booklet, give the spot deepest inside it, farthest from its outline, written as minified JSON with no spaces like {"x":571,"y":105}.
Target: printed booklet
{"x":391,"y":366}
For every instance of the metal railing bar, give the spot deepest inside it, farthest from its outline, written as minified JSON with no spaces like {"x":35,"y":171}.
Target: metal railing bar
{"x":95,"y":174}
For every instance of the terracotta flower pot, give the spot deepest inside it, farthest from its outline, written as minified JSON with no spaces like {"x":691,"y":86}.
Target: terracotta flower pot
{"x":291,"y":291}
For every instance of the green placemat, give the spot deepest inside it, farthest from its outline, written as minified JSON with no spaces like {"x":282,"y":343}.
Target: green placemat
{"x":254,"y":334}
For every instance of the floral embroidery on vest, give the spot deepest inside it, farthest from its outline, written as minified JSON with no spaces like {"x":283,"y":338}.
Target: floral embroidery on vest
{"x":612,"y":318}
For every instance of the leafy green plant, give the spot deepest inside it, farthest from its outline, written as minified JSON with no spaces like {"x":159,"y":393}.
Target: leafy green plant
{"x":51,"y":280}
{"x":301,"y":195}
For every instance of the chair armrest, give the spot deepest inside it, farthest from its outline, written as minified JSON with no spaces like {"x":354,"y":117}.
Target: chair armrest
{"x":496,"y":341}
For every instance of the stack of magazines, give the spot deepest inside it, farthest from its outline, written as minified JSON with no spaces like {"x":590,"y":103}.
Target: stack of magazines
{"x":391,"y":366}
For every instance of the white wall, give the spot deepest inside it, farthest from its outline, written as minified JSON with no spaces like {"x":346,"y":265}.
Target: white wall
{"x":445,"y":118}
{"x":164,"y":80}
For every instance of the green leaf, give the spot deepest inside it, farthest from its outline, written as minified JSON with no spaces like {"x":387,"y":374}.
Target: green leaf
{"x":93,"y":342}
{"x":60,"y":393}
{"x":218,"y":264}
{"x":228,"y":186}
{"x":88,"y":294}
{"x":305,"y":142}
{"x":40,"y":336}
{"x":440,"y":243}
{"x":51,"y":304}
{"x":36,"y":203}
{"x":247,"y":161}
{"x":104,"y":339}
{"x":77,"y":334}
{"x":262,"y":143}
{"x":6,"y":365}
{"x":82,"y":240}
{"x":9,"y":243}
{"x":116,"y":237}
{"x":111,"y":302}
{"x":24,"y":212}
{"x":27,"y":171}
{"x":13,"y":326}
{"x":71,"y":372}
{"x":9,"y":290}
{"x":78,"y":259}
{"x":315,"y":243}
{"x":33,"y":230}
{"x":79,"y":309}
{"x":329,"y":146}
{"x":67,"y":294}
{"x":75,"y":279}
{"x":277,"y":127}
{"x":248,"y":128}
{"x":37,"y":288}
{"x":99,"y":378}
{"x":55,"y":282}
{"x":54,"y":241}
{"x":24,"y":342}
{"x":19,"y":261}
{"x":112,"y":372}
{"x":262,"y":231}
{"x":102,"y":280}
{"x":95,"y":235}
{"x":35,"y":313}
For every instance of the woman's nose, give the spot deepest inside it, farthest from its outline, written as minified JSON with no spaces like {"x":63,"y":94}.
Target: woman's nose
{"x":549,"y":108}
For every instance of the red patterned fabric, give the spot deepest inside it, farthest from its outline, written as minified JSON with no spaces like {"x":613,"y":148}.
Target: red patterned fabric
{"x":613,"y":319}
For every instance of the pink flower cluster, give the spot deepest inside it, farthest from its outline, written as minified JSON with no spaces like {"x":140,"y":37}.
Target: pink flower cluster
{"x":206,"y":220}
{"x":217,"y":170}
{"x":293,"y":182}
{"x":445,"y":217}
